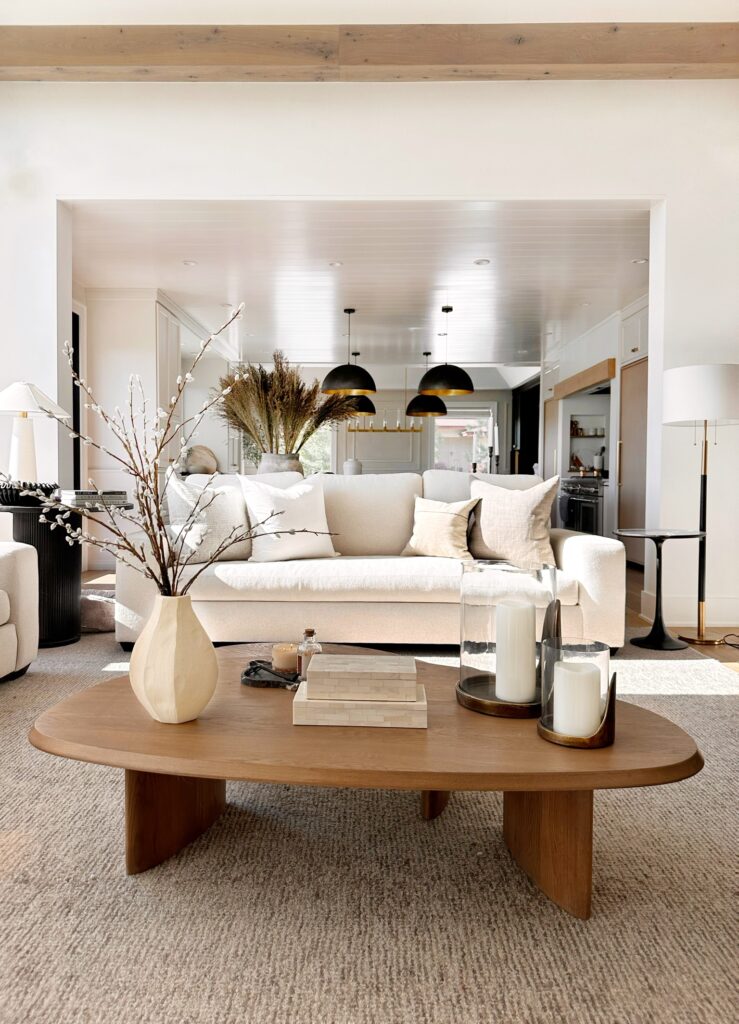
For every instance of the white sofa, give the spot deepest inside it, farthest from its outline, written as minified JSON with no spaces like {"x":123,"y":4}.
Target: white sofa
{"x":373,"y":595}
{"x":18,"y":608}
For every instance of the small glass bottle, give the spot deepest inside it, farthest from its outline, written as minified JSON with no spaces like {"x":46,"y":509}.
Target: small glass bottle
{"x":308,"y":647}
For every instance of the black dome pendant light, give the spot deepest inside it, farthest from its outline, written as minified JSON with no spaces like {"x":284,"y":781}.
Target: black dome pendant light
{"x":446,"y":379}
{"x":363,"y":406}
{"x":348,"y":379}
{"x":426,"y":405}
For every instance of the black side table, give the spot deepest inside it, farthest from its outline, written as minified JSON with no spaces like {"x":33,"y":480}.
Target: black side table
{"x":658,"y":639}
{"x":59,"y":574}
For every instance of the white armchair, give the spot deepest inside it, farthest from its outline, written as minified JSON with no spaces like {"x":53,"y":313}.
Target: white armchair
{"x":19,"y":623}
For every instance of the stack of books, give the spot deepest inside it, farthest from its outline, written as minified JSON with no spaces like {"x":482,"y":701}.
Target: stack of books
{"x":93,"y":499}
{"x":369,"y":690}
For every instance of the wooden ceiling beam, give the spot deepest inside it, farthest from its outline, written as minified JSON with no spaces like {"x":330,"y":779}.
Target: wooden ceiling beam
{"x":369,"y":53}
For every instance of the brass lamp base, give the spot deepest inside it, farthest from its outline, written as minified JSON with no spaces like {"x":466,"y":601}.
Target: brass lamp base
{"x":694,"y":636}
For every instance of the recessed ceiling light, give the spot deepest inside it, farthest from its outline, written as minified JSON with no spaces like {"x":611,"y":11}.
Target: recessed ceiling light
{"x":189,"y":263}
{"x":482,"y":262}
{"x":641,"y":259}
{"x":414,"y":328}
{"x":584,"y":303}
{"x":336,"y":263}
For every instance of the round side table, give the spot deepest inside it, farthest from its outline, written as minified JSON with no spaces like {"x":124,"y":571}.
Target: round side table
{"x":59,"y":575}
{"x":658,"y":638}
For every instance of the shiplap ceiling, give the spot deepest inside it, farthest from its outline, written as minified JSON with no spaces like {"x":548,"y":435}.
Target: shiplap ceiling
{"x":400,"y":262}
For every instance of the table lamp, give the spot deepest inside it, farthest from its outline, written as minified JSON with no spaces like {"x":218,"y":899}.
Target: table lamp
{"x":696,"y":396}
{"x":24,"y":401}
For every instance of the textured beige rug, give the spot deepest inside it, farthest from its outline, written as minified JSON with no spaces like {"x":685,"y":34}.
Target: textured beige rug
{"x":310,"y":906}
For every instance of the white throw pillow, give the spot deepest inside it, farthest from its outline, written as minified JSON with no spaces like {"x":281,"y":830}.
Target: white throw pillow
{"x":513,"y":525}
{"x":440,"y":528}
{"x":300,"y":507}
{"x":221,"y":511}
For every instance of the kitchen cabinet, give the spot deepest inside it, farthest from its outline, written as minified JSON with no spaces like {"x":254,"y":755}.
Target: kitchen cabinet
{"x":635,"y":335}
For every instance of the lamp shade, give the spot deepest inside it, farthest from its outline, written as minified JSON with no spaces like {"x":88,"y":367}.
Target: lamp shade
{"x":348,"y":379}
{"x":364,"y":406}
{"x":23,"y":397}
{"x":692,"y":394}
{"x":426,"y":405}
{"x":446,"y":379}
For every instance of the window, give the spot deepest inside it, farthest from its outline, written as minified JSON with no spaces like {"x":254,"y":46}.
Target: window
{"x":316,"y":452}
{"x":461,"y":438}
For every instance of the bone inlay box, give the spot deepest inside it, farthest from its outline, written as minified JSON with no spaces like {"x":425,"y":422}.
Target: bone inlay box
{"x":389,"y":714}
{"x":361,"y":677}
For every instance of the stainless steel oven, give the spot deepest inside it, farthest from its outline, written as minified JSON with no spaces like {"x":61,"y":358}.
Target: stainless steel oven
{"x":581,"y":504}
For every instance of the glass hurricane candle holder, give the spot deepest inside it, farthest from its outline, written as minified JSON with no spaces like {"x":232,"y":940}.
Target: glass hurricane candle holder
{"x":498,"y":650}
{"x":577,"y":693}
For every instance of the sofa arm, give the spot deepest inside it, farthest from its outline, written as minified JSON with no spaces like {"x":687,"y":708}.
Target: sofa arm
{"x":599,"y":566}
{"x":19,"y":579}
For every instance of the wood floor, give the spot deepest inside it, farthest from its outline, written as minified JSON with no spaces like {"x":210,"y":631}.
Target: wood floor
{"x":722,"y":652}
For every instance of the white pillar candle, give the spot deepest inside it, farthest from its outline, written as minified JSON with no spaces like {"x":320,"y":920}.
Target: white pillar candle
{"x":490,"y":430}
{"x":515,"y":651}
{"x":577,"y":710}
{"x":496,"y":447}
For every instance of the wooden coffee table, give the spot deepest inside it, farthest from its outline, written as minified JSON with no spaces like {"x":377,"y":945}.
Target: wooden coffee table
{"x":175,"y":774}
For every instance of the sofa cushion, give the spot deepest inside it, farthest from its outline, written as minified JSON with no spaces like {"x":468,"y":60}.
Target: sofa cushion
{"x":4,"y":607}
{"x":450,"y":485}
{"x":440,"y":528}
{"x":229,"y":507}
{"x":202,"y":518}
{"x":371,"y":514}
{"x":412,"y":580}
{"x":514,"y":524}
{"x":280,"y":515}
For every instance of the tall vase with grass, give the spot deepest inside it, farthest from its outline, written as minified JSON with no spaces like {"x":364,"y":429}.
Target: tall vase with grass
{"x":277,"y":411}
{"x":173,"y":667}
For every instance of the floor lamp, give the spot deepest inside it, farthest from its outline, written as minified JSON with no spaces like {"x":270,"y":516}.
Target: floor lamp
{"x":699,"y":396}
{"x":24,"y":401}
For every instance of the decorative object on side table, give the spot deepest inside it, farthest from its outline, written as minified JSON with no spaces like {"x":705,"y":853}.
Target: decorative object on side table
{"x":578,"y":702}
{"x":501,"y":677}
{"x":380,"y":691}
{"x":698,"y":396}
{"x":277,"y":411}
{"x":173,"y":668}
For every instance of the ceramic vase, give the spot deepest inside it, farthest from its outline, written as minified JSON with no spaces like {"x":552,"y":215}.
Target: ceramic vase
{"x":173,"y":669}
{"x":352,"y":467}
{"x":271,"y":462}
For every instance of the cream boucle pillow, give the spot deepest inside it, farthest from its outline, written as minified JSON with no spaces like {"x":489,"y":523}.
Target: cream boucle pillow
{"x":514,"y":525}
{"x":440,"y":528}
{"x":221,"y":514}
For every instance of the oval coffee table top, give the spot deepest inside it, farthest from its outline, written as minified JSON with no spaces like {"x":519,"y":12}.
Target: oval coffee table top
{"x":247,"y":733}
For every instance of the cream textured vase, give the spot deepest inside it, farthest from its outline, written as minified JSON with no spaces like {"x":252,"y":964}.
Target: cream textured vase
{"x":271,"y":462}
{"x":173,"y":667}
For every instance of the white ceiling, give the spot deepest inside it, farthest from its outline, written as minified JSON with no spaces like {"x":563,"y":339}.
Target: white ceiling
{"x":401,"y":261}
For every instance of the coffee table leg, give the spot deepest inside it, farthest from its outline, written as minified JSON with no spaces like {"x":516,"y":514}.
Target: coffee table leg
{"x":165,"y":813}
{"x":433,"y":802}
{"x":551,"y":837}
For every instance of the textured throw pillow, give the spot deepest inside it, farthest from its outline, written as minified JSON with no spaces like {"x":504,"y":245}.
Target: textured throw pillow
{"x":221,"y":510}
{"x":514,"y":525}
{"x":300,"y":507}
{"x":440,"y":528}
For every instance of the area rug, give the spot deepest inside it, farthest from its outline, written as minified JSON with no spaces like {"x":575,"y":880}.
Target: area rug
{"x":319,"y":906}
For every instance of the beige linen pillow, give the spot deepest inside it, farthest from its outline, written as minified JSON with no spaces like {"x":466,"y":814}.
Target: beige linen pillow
{"x":513,"y":525}
{"x":440,"y":528}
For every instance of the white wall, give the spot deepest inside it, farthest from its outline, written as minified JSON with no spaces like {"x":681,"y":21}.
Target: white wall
{"x":667,"y":142}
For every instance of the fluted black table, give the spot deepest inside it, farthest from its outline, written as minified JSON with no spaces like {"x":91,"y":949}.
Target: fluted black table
{"x":59,"y":575}
{"x":658,"y":638}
